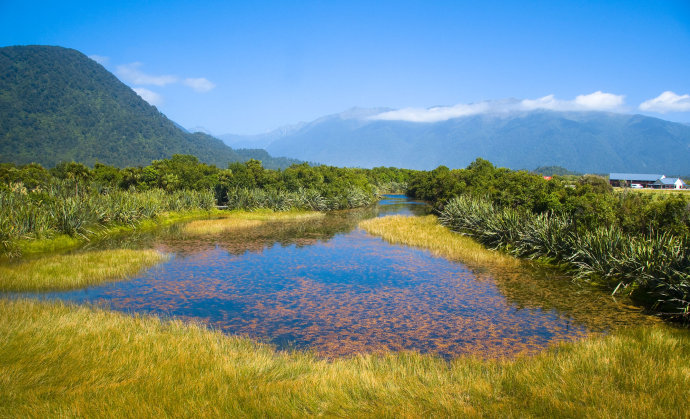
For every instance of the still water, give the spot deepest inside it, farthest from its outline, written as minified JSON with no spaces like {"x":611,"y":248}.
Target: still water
{"x":327,"y":286}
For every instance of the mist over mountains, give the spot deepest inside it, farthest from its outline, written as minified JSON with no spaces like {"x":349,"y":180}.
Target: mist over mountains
{"x":584,"y":141}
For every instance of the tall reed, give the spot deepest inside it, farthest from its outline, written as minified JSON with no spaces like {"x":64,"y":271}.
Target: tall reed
{"x":60,"y":210}
{"x":302,"y":199}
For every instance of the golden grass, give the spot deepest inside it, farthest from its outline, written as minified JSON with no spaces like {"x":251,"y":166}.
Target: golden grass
{"x":652,"y":191}
{"x":62,"y":360}
{"x":218,"y":226}
{"x":68,"y":271}
{"x":427,"y":233}
{"x":236,"y":220}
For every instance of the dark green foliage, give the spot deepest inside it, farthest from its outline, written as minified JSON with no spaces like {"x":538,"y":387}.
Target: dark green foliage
{"x":57,"y":105}
{"x":274,"y":163}
{"x":554,"y":170}
{"x":589,"y":201}
{"x":328,"y":187}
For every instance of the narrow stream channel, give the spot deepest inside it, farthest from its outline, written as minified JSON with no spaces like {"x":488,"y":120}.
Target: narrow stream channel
{"x":327,"y":286}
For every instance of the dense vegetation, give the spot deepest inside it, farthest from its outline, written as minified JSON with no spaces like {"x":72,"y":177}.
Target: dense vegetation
{"x":76,"y":200}
{"x":637,"y":242}
{"x":589,"y":201}
{"x":58,"y":105}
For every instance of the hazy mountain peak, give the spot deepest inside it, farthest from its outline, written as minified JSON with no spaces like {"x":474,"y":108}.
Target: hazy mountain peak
{"x":583,"y":140}
{"x":361,"y":113}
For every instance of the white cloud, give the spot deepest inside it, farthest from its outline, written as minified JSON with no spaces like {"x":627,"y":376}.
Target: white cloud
{"x":600,"y":101}
{"x":199,"y":84}
{"x":439,"y":113}
{"x":131,"y":74}
{"x":152,"y":98}
{"x":546,"y":102}
{"x":597,"y":101}
{"x":667,"y":102}
{"x":100,"y":59}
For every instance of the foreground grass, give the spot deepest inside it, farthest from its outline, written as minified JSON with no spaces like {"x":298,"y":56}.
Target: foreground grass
{"x":427,"y":233}
{"x":61,"y":360}
{"x":60,"y":272}
{"x":239,"y":219}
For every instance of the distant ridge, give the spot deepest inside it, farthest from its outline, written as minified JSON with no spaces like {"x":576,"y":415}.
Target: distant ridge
{"x":584,"y":142}
{"x":56,"y":104}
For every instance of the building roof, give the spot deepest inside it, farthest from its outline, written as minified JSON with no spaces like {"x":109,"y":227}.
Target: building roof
{"x":644,"y":177}
{"x":669,"y":181}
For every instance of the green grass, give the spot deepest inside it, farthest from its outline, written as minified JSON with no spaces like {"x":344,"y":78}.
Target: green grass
{"x":63,"y":242}
{"x":62,"y":360}
{"x":69,"y":271}
{"x":426,"y":232}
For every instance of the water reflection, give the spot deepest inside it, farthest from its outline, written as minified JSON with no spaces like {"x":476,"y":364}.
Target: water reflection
{"x":330,"y":287}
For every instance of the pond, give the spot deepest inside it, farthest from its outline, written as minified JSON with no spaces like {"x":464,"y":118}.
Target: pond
{"x":329,"y":287}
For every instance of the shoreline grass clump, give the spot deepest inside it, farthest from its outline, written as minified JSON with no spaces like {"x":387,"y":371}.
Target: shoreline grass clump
{"x":64,"y":360}
{"x":239,"y":219}
{"x":654,"y":269}
{"x":70,"y":271}
{"x":427,"y":233}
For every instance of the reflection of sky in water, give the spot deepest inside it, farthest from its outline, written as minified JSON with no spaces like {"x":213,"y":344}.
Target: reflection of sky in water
{"x":350,"y":293}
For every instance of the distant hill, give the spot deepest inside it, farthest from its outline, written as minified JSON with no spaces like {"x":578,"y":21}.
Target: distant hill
{"x":554,"y":170}
{"x":586,"y":142}
{"x":57,"y":105}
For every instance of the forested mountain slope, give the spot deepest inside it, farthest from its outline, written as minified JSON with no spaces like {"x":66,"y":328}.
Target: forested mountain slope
{"x":56,"y":104}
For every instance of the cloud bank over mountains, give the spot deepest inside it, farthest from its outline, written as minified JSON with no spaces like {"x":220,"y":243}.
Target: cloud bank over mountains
{"x":667,"y":102}
{"x":597,"y":101}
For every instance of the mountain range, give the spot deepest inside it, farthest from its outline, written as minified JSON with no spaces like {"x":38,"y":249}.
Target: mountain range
{"x":56,"y":104}
{"x":588,"y":142}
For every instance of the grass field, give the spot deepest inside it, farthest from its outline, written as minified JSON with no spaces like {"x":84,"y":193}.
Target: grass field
{"x":61,"y":360}
{"x":654,"y":191}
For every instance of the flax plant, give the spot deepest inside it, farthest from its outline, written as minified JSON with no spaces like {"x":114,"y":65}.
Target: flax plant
{"x":654,"y":268}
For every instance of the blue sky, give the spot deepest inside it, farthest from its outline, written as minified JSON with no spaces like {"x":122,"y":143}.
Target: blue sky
{"x":248,"y":67}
